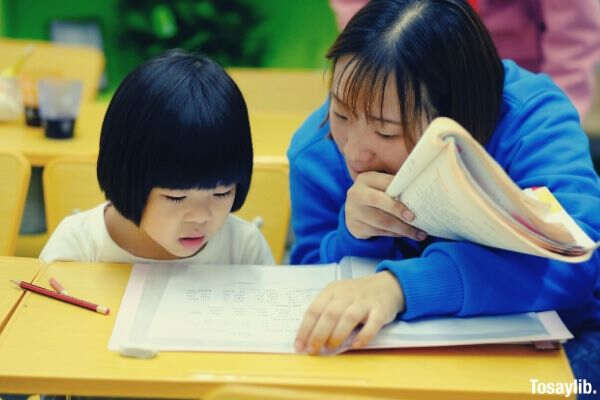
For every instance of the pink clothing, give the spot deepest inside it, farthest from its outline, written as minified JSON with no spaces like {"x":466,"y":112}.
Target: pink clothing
{"x":560,"y":38}
{"x":345,"y":9}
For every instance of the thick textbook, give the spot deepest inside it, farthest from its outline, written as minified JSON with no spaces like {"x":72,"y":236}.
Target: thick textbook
{"x":259,"y":309}
{"x":458,"y":191}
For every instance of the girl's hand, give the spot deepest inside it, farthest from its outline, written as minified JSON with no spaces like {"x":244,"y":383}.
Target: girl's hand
{"x":371,"y":212}
{"x":372,"y":301}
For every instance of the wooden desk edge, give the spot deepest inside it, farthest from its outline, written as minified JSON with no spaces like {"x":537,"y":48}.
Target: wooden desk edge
{"x":14,"y":307}
{"x":229,"y":385}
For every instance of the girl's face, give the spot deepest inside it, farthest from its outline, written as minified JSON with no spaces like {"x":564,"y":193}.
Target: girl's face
{"x":182,"y":221}
{"x":374,"y":142}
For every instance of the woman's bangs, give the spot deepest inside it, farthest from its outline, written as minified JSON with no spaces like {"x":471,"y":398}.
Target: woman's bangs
{"x":364,"y":86}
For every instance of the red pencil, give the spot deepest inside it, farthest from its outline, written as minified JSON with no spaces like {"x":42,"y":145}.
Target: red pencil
{"x":62,"y":297}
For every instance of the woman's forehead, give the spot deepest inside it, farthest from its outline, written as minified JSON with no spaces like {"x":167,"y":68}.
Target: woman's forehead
{"x":363,"y":90}
{"x":350,"y":74}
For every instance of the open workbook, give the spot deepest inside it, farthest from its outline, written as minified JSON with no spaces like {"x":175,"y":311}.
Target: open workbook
{"x":259,"y":309}
{"x":458,"y":191}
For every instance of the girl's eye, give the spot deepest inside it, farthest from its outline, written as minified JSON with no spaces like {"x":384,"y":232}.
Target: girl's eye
{"x":224,"y":194}
{"x":175,"y":199}
{"x":340,"y":116}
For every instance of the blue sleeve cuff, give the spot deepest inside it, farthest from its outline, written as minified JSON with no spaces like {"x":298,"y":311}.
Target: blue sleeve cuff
{"x":431,"y":285}
{"x":341,"y":243}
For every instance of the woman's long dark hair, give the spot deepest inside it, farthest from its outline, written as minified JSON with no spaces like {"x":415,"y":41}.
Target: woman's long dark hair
{"x":440,"y":53}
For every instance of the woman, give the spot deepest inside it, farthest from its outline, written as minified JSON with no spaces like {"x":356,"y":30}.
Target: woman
{"x":396,"y":66}
{"x":558,"y":38}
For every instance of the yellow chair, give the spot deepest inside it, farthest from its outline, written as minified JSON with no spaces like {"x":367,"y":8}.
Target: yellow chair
{"x":276,"y":90}
{"x":70,"y":184}
{"x":273,"y":131}
{"x":15,"y":172}
{"x":56,"y":60}
{"x":268,"y":201}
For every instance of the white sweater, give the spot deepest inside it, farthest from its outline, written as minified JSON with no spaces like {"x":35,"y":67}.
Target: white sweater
{"x":84,"y":237}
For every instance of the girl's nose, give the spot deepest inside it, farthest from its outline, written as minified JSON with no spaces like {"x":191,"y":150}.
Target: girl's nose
{"x":199,"y":214}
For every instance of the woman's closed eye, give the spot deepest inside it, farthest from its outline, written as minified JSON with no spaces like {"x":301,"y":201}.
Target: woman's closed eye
{"x":340,"y":116}
{"x":385,"y":135}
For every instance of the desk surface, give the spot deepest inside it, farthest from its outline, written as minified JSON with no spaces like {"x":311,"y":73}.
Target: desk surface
{"x":17,"y":269}
{"x":271,"y":133}
{"x":52,"y":347}
{"x":278,"y":101}
{"x":39,"y":150}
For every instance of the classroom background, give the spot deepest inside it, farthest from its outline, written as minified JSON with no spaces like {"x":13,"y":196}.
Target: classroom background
{"x":273,"y":49}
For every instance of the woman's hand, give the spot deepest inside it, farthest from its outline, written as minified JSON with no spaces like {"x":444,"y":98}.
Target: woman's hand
{"x":371,"y":212}
{"x":372,"y":301}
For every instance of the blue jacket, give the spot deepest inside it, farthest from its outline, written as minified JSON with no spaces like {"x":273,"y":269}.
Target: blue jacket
{"x":539,"y":142}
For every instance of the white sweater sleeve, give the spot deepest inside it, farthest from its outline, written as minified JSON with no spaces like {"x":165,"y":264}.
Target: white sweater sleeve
{"x":67,"y":243}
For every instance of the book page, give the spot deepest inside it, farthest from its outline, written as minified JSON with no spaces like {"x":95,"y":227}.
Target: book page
{"x":259,"y":309}
{"x":556,"y":214}
{"x":461,"y":193}
{"x":222,"y":308}
{"x":524,"y":212}
{"x":427,"y":149}
{"x":443,"y":207}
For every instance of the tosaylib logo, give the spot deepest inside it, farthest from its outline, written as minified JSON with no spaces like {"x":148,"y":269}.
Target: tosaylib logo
{"x":577,"y":386}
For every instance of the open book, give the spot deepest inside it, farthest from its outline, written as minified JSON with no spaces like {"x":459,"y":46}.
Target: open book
{"x":259,"y":309}
{"x":458,"y":191}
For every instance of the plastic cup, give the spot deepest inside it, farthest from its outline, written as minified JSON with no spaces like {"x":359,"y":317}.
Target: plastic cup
{"x":59,"y":106}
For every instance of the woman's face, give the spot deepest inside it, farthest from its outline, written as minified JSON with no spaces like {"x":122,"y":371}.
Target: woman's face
{"x":373,"y":142}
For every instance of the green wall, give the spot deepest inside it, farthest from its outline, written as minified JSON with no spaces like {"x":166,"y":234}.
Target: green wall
{"x":296,"y":32}
{"x":31,"y":19}
{"x":1,"y":17}
{"x":299,"y":32}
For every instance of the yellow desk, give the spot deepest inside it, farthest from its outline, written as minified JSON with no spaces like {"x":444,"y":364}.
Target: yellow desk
{"x":278,"y":101}
{"x":39,"y":150}
{"x":52,"y":347}
{"x":271,"y":133}
{"x":17,"y":269}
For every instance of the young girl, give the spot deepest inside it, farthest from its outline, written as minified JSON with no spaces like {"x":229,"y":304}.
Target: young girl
{"x":396,"y":66}
{"x":175,"y":160}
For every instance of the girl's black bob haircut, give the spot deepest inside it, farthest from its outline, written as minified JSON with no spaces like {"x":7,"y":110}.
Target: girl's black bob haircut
{"x":439,"y":52}
{"x":176,"y":122}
